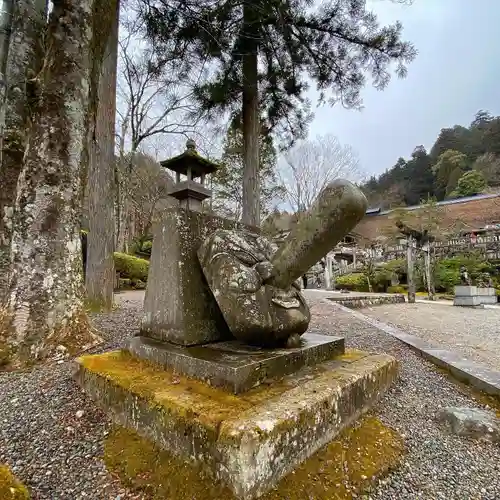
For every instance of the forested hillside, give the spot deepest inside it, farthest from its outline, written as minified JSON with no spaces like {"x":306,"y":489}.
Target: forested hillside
{"x":462,"y":162}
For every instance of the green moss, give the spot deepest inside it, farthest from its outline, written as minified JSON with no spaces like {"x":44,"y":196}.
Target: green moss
{"x":348,"y":464}
{"x":187,"y":398}
{"x":93,"y":306}
{"x":351,"y":355}
{"x":10,"y":487}
{"x":5,"y":354}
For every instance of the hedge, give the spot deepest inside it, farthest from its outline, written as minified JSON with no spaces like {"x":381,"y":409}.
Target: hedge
{"x":354,"y":281}
{"x":447,"y":271}
{"x":131,"y":267}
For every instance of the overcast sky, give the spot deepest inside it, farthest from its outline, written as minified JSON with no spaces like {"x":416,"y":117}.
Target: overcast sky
{"x":456,"y":73}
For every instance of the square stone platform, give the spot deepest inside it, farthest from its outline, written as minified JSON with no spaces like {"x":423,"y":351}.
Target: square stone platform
{"x":249,"y":441}
{"x":233,"y":365}
{"x":467,"y":301}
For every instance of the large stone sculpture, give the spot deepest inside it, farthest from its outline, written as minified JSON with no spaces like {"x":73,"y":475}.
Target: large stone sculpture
{"x":255,"y":283}
{"x":244,"y":414}
{"x":237,"y":266}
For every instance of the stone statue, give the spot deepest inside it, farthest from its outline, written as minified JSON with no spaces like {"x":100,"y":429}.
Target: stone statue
{"x":464,"y":276}
{"x":236,"y":265}
{"x":484,"y":281}
{"x":255,"y":283}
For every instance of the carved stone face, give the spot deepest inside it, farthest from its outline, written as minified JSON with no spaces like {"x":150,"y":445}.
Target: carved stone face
{"x":236,"y":265}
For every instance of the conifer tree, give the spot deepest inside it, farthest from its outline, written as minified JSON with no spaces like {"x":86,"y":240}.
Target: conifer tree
{"x":264,"y":50}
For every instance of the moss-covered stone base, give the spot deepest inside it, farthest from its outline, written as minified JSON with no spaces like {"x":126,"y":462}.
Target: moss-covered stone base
{"x":247,"y":442}
{"x":10,"y":487}
{"x":348,"y":465}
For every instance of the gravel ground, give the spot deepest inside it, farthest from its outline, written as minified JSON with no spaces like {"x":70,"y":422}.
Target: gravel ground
{"x":50,"y":444}
{"x":438,"y":465}
{"x":472,"y":332}
{"x":56,"y":451}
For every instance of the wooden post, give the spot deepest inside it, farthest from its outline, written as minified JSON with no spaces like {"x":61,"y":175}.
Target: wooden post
{"x":410,"y":262}
{"x":328,"y":272}
{"x":427,"y":266}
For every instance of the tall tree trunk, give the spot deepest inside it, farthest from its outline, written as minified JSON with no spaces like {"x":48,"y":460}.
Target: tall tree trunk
{"x":250,"y":112}
{"x":126,"y":207}
{"x":45,"y":306}
{"x":22,"y":63}
{"x":410,"y":261}
{"x":6,"y":18}
{"x":119,"y":182}
{"x":100,"y":274}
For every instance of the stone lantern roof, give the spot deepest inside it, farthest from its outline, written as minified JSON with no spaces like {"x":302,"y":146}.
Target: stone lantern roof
{"x":190,"y":164}
{"x":190,"y":158}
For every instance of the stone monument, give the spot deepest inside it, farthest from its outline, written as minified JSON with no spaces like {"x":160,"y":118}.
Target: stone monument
{"x":469,"y":295}
{"x":465,"y":294}
{"x":223,"y":372}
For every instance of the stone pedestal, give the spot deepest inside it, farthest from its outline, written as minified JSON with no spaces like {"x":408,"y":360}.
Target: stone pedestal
{"x":487,"y":295}
{"x":466,"y":296}
{"x":465,"y":291}
{"x":250,"y":441}
{"x":178,"y":306}
{"x":233,"y":365}
{"x":471,"y":301}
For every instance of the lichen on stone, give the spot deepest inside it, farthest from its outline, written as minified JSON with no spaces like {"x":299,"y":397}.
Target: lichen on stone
{"x":347,"y":466}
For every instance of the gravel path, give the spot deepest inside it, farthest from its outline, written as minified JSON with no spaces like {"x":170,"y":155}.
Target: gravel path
{"x":56,"y":450}
{"x":438,"y":465}
{"x":475,"y":333}
{"x":51,"y":434}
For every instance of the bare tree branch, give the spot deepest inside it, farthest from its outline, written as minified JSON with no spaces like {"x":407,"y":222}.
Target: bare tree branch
{"x":310,"y":165}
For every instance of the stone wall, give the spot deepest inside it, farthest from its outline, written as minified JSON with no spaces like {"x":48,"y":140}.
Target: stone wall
{"x":360,"y":301}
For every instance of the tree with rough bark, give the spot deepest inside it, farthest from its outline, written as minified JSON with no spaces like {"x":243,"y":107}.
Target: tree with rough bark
{"x":100,"y":274}
{"x":262,"y":52}
{"x":21,"y":59}
{"x":312,"y":164}
{"x":227,"y":181}
{"x":45,"y":306}
{"x":153,"y":101}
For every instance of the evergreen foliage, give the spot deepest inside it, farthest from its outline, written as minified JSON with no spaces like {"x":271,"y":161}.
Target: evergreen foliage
{"x":335,"y":44}
{"x":228,"y":179}
{"x":457,"y":150}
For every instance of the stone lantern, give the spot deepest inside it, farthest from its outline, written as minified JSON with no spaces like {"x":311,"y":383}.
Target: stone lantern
{"x":189,"y":192}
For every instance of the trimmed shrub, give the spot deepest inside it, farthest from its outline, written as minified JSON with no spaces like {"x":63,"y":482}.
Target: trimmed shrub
{"x":131,"y":267}
{"x":354,"y":281}
{"x":447,"y":273}
{"x":396,"y":289}
{"x":396,"y":266}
